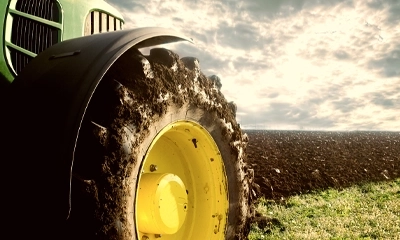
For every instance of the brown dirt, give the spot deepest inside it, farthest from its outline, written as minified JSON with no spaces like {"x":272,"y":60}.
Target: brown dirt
{"x":294,"y":162}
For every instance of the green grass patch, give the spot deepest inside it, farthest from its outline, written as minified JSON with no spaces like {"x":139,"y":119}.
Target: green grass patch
{"x":369,"y":211}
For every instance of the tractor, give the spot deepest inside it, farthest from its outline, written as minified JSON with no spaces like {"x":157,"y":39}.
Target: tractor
{"x":102,"y":141}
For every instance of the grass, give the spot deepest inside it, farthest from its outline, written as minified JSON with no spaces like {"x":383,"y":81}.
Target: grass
{"x":369,"y":211}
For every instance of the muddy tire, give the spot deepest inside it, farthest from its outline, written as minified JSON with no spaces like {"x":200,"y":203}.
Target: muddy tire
{"x":158,"y":117}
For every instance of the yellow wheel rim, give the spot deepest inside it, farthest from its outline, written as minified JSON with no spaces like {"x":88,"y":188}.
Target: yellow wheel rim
{"x":182,"y":188}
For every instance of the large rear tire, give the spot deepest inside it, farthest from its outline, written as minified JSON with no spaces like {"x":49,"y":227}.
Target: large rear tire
{"x":159,"y":154}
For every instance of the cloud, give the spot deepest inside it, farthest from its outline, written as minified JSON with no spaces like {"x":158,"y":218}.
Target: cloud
{"x":273,"y":95}
{"x":388,"y":64}
{"x":347,"y":104}
{"x":291,"y":64}
{"x":392,"y":5}
{"x":245,"y":36}
{"x":387,"y":101}
{"x":342,"y":55}
{"x":280,"y":115}
{"x":285,"y":8}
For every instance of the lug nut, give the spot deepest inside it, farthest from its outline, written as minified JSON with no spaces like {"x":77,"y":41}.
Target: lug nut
{"x":153,"y":168}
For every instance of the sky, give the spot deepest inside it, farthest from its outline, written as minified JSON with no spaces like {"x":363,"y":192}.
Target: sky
{"x":291,"y":64}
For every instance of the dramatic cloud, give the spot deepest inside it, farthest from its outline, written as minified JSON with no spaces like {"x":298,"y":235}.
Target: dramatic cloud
{"x":292,"y":64}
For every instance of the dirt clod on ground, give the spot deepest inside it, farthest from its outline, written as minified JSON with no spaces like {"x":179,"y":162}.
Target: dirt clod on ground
{"x":267,"y":224}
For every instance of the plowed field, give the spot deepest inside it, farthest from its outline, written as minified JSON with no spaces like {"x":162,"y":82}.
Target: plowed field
{"x":293,"y":162}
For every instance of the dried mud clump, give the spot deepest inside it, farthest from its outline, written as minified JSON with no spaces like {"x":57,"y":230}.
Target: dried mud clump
{"x":136,"y":92}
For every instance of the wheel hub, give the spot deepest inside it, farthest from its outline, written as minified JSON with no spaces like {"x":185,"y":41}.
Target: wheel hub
{"x":162,"y":204}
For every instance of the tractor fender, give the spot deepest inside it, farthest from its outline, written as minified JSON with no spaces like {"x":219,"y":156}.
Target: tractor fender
{"x":46,"y":105}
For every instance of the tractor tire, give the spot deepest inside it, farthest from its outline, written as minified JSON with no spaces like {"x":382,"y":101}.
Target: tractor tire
{"x":159,"y":154}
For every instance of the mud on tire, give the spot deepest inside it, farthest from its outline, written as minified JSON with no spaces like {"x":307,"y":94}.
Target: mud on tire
{"x":135,"y":100}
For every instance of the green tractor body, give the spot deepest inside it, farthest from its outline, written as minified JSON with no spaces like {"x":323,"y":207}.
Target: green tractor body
{"x":29,"y":27}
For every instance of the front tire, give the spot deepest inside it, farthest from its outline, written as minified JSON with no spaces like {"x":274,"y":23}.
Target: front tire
{"x":159,"y":155}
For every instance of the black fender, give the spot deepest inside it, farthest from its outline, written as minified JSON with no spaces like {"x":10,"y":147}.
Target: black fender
{"x":45,"y":107}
